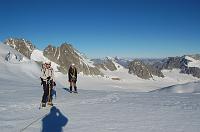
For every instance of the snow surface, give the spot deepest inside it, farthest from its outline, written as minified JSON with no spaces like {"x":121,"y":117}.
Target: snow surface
{"x":96,"y":110}
{"x":102,"y":105}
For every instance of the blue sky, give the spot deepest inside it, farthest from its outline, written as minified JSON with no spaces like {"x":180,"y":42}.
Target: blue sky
{"x":98,"y":28}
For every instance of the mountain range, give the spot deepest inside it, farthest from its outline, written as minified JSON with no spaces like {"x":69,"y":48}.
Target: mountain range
{"x":64,"y":55}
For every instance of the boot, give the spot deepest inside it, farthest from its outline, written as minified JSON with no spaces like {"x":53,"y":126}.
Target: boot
{"x":50,"y":103}
{"x":43,"y":104}
{"x":70,"y":89}
{"x":75,"y":90}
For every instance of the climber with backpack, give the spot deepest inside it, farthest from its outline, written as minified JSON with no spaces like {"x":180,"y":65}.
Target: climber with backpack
{"x":48,"y":82}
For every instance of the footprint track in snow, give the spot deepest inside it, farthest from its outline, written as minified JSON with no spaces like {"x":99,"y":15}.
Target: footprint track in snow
{"x":110,"y":98}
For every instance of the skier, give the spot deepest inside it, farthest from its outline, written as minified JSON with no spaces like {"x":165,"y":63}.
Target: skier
{"x":72,"y":75}
{"x":48,"y":81}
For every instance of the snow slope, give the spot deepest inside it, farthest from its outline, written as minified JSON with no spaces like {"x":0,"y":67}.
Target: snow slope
{"x":102,"y":105}
{"x":84,"y":59}
{"x":15,"y":69}
{"x":129,"y":82}
{"x":191,"y":87}
{"x":98,"y":111}
{"x":37,"y":55}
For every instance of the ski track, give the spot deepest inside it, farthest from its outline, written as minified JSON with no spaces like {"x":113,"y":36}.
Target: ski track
{"x":111,"y":98}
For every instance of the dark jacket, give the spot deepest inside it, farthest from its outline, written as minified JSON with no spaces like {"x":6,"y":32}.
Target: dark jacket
{"x":72,"y":74}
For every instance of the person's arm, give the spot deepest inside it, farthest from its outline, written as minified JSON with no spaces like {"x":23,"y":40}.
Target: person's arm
{"x":43,"y":75}
{"x":53,"y":77}
{"x":76,"y":73}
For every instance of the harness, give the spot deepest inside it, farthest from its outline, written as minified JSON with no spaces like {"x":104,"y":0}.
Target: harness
{"x":46,"y":74}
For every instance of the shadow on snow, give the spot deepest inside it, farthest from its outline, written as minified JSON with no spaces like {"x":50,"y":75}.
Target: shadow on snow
{"x":67,"y":89}
{"x":54,"y":121}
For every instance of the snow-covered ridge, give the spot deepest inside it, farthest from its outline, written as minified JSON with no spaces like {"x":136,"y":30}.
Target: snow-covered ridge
{"x":117,"y":65}
{"x":65,"y":55}
{"x":193,"y":62}
{"x":84,"y":59}
{"x":15,"y":66}
{"x":10,"y":55}
{"x":108,"y":64}
{"x":37,"y":55}
{"x":191,"y":87}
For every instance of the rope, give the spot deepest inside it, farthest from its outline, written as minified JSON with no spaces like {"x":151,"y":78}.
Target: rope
{"x":33,"y":123}
{"x":35,"y":120}
{"x":22,"y":130}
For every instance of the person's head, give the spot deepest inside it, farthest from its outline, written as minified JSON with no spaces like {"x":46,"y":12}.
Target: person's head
{"x":53,"y":109}
{"x":48,"y":64}
{"x":72,"y":65}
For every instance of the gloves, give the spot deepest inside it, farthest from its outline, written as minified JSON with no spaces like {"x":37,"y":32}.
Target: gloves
{"x":41,"y":81}
{"x":54,"y":83}
{"x":48,"y":78}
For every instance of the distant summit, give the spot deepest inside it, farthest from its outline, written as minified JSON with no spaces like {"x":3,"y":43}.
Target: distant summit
{"x":65,"y":54}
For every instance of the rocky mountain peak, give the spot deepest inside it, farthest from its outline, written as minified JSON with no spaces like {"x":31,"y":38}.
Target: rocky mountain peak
{"x":108,"y":63}
{"x":142,"y":70}
{"x":25,"y":47}
{"x":188,"y":64}
{"x":66,"y":54}
{"x":139,"y":69}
